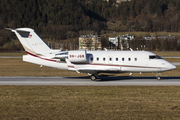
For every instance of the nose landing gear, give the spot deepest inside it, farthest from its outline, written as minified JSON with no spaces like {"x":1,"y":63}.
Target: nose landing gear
{"x":158,"y":76}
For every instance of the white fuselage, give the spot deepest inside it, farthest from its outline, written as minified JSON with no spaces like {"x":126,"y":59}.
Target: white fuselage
{"x":93,"y":62}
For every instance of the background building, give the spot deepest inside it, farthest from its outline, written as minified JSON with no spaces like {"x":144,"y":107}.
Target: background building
{"x":114,"y":42}
{"x":90,"y":42}
{"x":120,"y":42}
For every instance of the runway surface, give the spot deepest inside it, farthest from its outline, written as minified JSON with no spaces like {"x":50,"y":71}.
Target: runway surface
{"x":84,"y":81}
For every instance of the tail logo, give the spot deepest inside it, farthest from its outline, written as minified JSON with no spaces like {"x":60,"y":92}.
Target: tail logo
{"x":30,"y":36}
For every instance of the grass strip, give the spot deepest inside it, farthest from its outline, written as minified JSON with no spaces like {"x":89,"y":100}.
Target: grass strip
{"x":90,"y":102}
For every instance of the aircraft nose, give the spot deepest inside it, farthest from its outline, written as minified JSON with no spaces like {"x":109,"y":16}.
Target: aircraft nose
{"x":171,"y":66}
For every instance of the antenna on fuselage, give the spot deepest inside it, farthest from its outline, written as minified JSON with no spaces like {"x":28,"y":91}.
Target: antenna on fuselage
{"x":105,"y":49}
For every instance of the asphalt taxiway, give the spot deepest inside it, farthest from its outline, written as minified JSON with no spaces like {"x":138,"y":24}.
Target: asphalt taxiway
{"x":85,"y":81}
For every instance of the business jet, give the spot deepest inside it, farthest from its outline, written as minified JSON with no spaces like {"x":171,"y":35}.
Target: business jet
{"x":90,"y":62}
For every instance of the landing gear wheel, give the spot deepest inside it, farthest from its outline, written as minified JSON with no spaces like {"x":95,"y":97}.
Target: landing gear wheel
{"x":158,"y":76}
{"x":93,"y":77}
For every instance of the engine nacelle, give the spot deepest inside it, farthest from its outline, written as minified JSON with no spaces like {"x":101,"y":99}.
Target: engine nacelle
{"x":62,"y":56}
{"x":77,"y":56}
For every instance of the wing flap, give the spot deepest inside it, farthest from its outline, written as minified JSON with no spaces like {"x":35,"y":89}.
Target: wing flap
{"x":92,"y":70}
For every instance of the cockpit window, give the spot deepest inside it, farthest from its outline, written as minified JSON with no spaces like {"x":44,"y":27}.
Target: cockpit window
{"x":154,"y":57}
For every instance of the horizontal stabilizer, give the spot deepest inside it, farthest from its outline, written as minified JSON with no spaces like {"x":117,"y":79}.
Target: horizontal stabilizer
{"x":9,"y":29}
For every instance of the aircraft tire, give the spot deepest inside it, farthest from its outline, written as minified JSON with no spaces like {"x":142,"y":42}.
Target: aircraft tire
{"x":93,"y":77}
{"x":158,"y":78}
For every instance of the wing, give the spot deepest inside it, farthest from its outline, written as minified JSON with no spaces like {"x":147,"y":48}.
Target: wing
{"x":99,"y":70}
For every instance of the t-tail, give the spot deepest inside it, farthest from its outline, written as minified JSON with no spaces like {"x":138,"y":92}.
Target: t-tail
{"x":31,"y":42}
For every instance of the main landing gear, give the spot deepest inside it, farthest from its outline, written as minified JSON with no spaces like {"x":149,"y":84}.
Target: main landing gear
{"x":158,"y":76}
{"x":94,"y":77}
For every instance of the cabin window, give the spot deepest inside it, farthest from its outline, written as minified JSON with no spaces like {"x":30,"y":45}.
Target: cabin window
{"x":91,"y":58}
{"x":122,"y":59}
{"x":135,"y":59}
{"x":154,"y":57}
{"x":110,"y":59}
{"x":97,"y":59}
{"x":104,"y":59}
{"x":129,"y":59}
{"x":116,"y":59}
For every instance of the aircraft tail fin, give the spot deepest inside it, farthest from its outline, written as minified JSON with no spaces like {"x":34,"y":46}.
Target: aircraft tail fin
{"x":31,"y":42}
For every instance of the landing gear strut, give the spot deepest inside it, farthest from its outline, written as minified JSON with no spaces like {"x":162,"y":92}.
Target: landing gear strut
{"x":158,"y":76}
{"x":94,"y":77}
